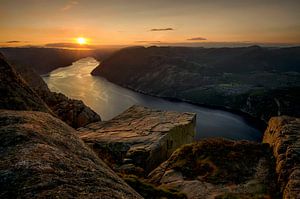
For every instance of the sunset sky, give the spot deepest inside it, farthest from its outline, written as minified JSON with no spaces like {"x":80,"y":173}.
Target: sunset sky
{"x":142,"y":22}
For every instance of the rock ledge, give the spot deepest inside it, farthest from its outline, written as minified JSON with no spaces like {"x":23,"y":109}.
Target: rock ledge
{"x":140,"y":136}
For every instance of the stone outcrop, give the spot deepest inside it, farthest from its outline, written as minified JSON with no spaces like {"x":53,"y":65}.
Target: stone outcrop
{"x":42,"y":157}
{"x":73,"y":112}
{"x":140,"y":138}
{"x":15,"y":94}
{"x":283,"y":135}
{"x":218,"y":168}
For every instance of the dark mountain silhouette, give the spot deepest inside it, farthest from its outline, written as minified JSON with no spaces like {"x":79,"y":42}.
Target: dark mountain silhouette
{"x":44,"y":60}
{"x":235,"y":78}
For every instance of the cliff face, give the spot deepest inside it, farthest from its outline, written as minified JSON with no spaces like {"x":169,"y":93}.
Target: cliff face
{"x":15,"y":92}
{"x":42,"y":157}
{"x":283,"y":136}
{"x":140,"y":138}
{"x":217,"y":168}
{"x":236,"y":78}
{"x":23,"y":89}
{"x":73,"y":112}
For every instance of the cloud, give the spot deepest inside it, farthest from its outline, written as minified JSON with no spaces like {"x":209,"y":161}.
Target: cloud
{"x":161,"y":29}
{"x":197,"y":39}
{"x":12,"y":42}
{"x":145,"y":41}
{"x":69,"y":5}
{"x":66,"y":45}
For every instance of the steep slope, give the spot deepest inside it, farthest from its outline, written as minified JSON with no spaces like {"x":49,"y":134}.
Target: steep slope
{"x":73,"y":112}
{"x":42,"y":157}
{"x":234,"y":78}
{"x":283,"y":136}
{"x":15,"y":94}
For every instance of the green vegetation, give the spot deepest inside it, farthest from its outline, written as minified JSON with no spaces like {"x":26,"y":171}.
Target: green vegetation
{"x":151,"y":192}
{"x":218,"y":161}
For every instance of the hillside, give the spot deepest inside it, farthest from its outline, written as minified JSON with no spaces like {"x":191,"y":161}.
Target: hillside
{"x":234,"y":78}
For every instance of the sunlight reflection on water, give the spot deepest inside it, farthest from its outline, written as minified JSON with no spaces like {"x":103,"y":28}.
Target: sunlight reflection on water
{"x":109,"y":100}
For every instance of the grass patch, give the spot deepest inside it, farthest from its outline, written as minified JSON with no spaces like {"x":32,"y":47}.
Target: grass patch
{"x":149,"y":191}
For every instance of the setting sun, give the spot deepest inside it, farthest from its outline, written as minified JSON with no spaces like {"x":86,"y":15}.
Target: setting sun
{"x":81,"y":40}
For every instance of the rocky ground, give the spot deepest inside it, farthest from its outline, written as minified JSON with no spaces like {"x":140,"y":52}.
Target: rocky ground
{"x":262,"y":82}
{"x":41,"y":157}
{"x":219,"y":168}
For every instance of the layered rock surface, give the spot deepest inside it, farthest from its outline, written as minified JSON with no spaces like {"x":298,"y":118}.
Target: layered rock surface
{"x":42,"y":157}
{"x":218,"y":168}
{"x":140,"y":137}
{"x":283,"y":135}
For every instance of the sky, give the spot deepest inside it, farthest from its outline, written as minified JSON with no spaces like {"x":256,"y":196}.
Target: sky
{"x":148,"y":22}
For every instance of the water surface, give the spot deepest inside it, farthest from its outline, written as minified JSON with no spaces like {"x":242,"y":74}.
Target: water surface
{"x":109,"y":100}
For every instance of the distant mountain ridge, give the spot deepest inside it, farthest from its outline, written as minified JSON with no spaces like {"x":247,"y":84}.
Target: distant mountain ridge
{"x":44,"y":60}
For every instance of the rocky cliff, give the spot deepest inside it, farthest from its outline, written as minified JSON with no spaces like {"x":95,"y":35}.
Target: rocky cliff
{"x":23,"y":89}
{"x":234,"y":78}
{"x":15,"y":92}
{"x":140,"y":138}
{"x":283,"y":136}
{"x":42,"y":157}
{"x":217,"y":168}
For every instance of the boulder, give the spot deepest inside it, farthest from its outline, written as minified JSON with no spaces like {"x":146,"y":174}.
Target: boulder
{"x":218,"y":168}
{"x":42,"y":157}
{"x":283,"y":136}
{"x":140,"y":136}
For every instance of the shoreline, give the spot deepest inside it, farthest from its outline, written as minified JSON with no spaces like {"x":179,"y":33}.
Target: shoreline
{"x":252,"y":121}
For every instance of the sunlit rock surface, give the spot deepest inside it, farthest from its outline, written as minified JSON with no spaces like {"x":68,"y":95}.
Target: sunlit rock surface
{"x":283,"y":135}
{"x":140,"y":136}
{"x":42,"y":157}
{"x":219,"y":168}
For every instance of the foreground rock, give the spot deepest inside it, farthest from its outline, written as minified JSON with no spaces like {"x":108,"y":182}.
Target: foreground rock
{"x":140,"y":138}
{"x":41,"y":157}
{"x":218,"y":168}
{"x":15,"y":92}
{"x":283,"y":135}
{"x":73,"y":112}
